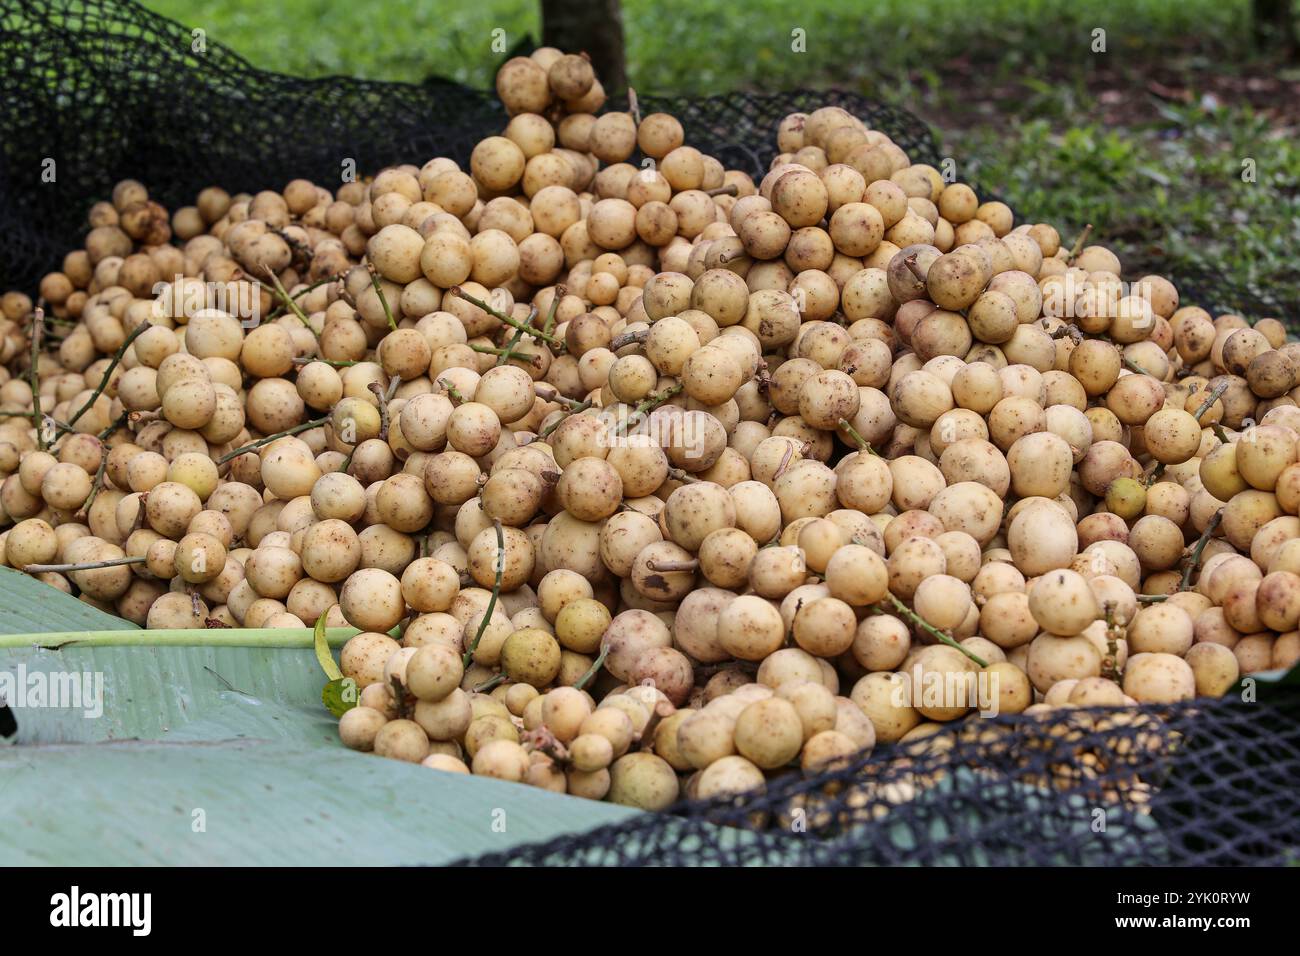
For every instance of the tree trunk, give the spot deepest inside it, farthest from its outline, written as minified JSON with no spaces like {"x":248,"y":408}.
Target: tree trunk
{"x":594,"y":27}
{"x":1273,"y":27}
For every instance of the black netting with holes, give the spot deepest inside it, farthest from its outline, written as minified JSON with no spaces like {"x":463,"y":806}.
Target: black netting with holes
{"x":1211,"y":783}
{"x":106,"y":90}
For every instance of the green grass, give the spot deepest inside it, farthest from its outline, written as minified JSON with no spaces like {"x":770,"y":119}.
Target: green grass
{"x":706,"y":45}
{"x":1167,"y":195}
{"x":1013,"y":88}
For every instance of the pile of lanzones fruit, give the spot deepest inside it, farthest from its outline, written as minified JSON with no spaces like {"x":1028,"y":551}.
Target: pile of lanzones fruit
{"x":642,"y":479}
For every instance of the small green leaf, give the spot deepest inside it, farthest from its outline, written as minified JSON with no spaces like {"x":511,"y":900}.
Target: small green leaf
{"x":340,"y":695}
{"x":323,"y":652}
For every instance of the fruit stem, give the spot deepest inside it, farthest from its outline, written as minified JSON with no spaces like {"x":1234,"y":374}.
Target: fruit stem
{"x":1216,"y":393}
{"x":97,"y":484}
{"x":688,"y":564}
{"x":577,"y":407}
{"x":509,"y":352}
{"x":1133,"y":366}
{"x":403,"y":700}
{"x":727,"y":190}
{"x":628,"y":338}
{"x":1072,"y":332}
{"x":541,"y":740}
{"x":487,"y":685}
{"x":279,"y":309}
{"x":634,"y":107}
{"x":784,"y":463}
{"x":930,"y":629}
{"x":335,"y":363}
{"x":646,"y":739}
{"x":505,"y":352}
{"x":284,"y":298}
{"x":108,"y":372}
{"x":1078,"y":243}
{"x":1151,"y":598}
{"x":492,"y":601}
{"x":113,"y":426}
{"x":684,"y":477}
{"x":549,"y":324}
{"x":509,"y":320}
{"x":378,"y":391}
{"x":915,"y":268}
{"x":455,"y":394}
{"x":647,"y":405}
{"x":34,"y":376}
{"x":140,"y":513}
{"x":596,"y":665}
{"x":253,"y":446}
{"x":383,"y":299}
{"x":548,"y":393}
{"x":297,"y":248}
{"x":1195,"y":559}
{"x":89,"y":566}
{"x":863,"y":444}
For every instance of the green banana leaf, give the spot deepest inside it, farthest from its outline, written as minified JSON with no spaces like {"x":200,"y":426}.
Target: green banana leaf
{"x":212,"y":747}
{"x":262,"y":802}
{"x":28,"y":606}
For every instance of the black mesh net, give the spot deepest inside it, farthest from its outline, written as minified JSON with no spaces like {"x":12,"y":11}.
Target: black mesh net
{"x":95,"y":91}
{"x":1212,"y":783}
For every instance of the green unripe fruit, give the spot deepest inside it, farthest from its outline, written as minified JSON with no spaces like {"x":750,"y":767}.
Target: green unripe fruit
{"x":531,"y":656}
{"x":1126,"y":497}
